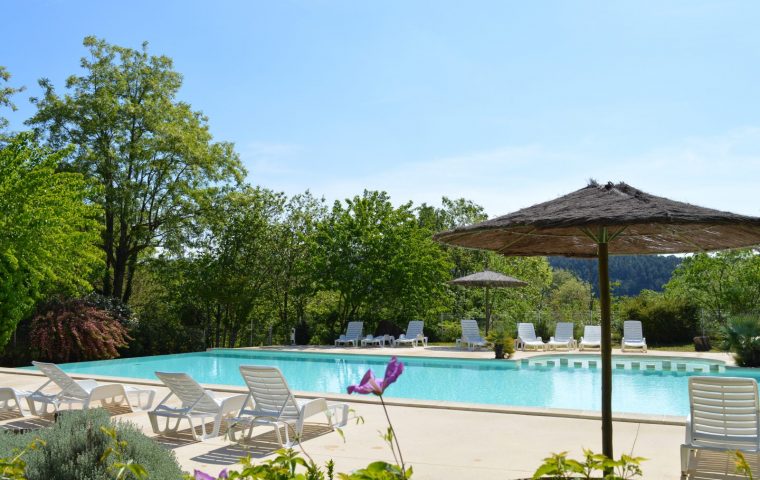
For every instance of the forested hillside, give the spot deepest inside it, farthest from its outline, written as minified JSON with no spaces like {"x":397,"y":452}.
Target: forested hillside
{"x":635,"y":273}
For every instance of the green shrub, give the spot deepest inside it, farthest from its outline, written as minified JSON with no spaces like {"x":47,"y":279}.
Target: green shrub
{"x":665,"y":320}
{"x":75,"y":444}
{"x":741,"y":335}
{"x":446,"y":331}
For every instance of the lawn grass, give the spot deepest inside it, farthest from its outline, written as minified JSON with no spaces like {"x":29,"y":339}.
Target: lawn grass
{"x":686,"y":347}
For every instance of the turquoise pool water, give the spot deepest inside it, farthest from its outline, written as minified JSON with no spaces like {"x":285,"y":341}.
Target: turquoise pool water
{"x":640,"y":384}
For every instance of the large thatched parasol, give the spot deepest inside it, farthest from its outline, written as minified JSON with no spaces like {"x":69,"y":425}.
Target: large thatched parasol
{"x":600,"y":220}
{"x":488,"y":280}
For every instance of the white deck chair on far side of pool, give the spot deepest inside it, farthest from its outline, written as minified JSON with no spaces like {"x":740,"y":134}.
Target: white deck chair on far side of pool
{"x":471,"y":335}
{"x":84,"y":392}
{"x":197,"y":405}
{"x":526,"y":337}
{"x":592,"y":337}
{"x":274,"y":405}
{"x":724,"y":416}
{"x":633,"y":336}
{"x":413,"y":335}
{"x":353,"y":334}
{"x":563,"y":336}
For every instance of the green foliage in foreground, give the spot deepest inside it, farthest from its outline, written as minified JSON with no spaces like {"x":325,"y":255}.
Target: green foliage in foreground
{"x":47,"y":231}
{"x":85,"y":445}
{"x":559,"y":467}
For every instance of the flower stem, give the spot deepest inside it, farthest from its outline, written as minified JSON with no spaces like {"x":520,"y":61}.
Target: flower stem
{"x":395,"y":437}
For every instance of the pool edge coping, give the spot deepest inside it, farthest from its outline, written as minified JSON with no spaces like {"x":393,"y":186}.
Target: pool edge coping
{"x":674,"y":420}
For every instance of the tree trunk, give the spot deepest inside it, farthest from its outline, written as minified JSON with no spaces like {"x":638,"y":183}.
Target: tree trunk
{"x":120,"y":262}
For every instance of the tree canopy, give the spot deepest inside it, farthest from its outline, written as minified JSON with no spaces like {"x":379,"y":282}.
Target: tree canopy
{"x":153,"y":154}
{"x":47,"y":230}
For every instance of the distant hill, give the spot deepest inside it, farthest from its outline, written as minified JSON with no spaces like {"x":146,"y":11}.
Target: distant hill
{"x":635,"y":273}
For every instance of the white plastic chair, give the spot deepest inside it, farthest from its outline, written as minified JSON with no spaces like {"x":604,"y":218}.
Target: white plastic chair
{"x":197,"y":404}
{"x":563,"y":336}
{"x":724,"y":416}
{"x":10,"y":400}
{"x":592,"y":337}
{"x":413,"y":335}
{"x":274,"y":405}
{"x":353,"y":334}
{"x":84,"y":392}
{"x":633,"y":337}
{"x":471,"y":335}
{"x":526,"y":337}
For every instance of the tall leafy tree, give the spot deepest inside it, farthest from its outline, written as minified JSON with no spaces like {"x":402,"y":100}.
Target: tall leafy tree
{"x":153,"y":154}
{"x":47,"y":229}
{"x":6,"y":92}
{"x":380,"y":260}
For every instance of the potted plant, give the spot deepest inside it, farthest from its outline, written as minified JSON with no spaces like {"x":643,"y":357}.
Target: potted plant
{"x":503,"y":343}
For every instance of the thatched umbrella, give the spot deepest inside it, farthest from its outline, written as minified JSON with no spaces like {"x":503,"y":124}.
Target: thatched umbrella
{"x":488,"y":280}
{"x":600,"y":220}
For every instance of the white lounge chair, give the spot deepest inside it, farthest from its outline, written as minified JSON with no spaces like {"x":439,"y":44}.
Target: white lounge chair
{"x":353,"y":334}
{"x":563,"y":336}
{"x":471,"y":335}
{"x":592,"y":337}
{"x":196,"y":404}
{"x":84,"y":392}
{"x":526,"y":337}
{"x":274,"y":405}
{"x":633,"y":337}
{"x":724,"y":417}
{"x":10,"y":400}
{"x":413,"y":335}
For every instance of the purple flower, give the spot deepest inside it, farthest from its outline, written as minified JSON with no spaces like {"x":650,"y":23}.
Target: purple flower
{"x":370,"y":384}
{"x":198,"y":475}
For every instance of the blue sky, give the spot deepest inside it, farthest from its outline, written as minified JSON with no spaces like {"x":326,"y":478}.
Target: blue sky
{"x":504,"y":103}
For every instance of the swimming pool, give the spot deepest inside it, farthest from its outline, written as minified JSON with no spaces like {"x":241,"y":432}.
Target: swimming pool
{"x":552,"y":381}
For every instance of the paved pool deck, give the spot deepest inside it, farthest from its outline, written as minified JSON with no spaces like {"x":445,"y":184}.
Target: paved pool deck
{"x":439,"y":440}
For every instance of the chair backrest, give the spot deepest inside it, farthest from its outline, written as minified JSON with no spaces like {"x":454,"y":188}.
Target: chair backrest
{"x":724,"y":412}
{"x":354,"y":330}
{"x":414,"y":328}
{"x":190,"y":392}
{"x":563,"y":331}
{"x":525,"y":331}
{"x":470,"y":329}
{"x":592,"y":333}
{"x":269,"y":391}
{"x":67,"y":384}
{"x":632,"y":331}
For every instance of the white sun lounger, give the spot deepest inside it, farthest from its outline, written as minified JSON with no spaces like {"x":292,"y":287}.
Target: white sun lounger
{"x":197,"y":404}
{"x":526,"y":337}
{"x":471,"y":335}
{"x":633,"y":337}
{"x":724,"y":416}
{"x":84,"y":392}
{"x":413,"y":335}
{"x":592,"y":337}
{"x":563,"y":336}
{"x":353,"y":334}
{"x":10,"y":400}
{"x":274,"y":405}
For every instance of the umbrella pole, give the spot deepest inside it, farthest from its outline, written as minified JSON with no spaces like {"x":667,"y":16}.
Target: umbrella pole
{"x":604,"y":297}
{"x":488,"y":312}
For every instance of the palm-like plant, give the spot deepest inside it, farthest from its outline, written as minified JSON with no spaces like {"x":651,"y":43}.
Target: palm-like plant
{"x":741,"y":335}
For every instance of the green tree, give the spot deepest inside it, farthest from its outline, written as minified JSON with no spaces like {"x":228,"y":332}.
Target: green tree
{"x":721,"y":284}
{"x":6,"y":93}
{"x":153,"y":155}
{"x":569,"y":297}
{"x":380,"y":260}
{"x":47,"y":231}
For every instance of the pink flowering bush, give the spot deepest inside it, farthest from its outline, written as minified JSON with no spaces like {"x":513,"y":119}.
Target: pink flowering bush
{"x":72,"y":330}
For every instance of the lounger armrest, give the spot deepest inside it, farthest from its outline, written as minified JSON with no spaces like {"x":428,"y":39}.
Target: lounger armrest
{"x":235,"y":402}
{"x":551,"y":339}
{"x":539,"y":339}
{"x":87,"y":384}
{"x":312,"y":407}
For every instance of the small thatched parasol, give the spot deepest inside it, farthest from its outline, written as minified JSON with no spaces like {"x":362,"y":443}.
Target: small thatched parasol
{"x":488,"y":279}
{"x":600,"y":220}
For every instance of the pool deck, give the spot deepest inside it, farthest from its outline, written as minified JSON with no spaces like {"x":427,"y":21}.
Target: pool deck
{"x":440,"y":440}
